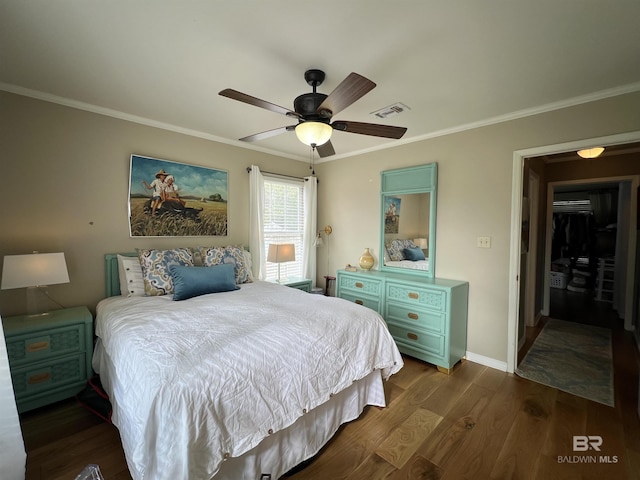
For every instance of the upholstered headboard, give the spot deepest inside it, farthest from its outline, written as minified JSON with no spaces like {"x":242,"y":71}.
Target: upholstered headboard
{"x":112,"y":279}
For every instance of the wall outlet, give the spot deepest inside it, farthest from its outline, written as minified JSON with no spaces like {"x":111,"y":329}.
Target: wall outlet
{"x":484,"y":242}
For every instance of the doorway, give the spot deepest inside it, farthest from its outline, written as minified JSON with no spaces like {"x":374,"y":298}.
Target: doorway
{"x":583,"y":226}
{"x":514,"y":325}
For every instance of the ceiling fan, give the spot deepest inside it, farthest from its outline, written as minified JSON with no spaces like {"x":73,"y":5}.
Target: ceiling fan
{"x":314,"y":112}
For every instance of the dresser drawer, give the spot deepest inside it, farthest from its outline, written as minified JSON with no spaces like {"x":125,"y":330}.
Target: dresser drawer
{"x":369,"y":286}
{"x":417,"y":338}
{"x":47,"y":375}
{"x":415,"y":317}
{"x":370,"y":302}
{"x":38,"y":346}
{"x":425,"y":297}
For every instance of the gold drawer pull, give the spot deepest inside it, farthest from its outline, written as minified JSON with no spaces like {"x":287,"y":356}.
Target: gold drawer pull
{"x":413,"y":295}
{"x":412,"y":316}
{"x":359,"y":302}
{"x":412,"y":336}
{"x":37,"y":346}
{"x":359,"y":285}
{"x":39,"y":378}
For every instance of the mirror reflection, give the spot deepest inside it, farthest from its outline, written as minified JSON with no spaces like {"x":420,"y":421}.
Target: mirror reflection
{"x":406,"y":225}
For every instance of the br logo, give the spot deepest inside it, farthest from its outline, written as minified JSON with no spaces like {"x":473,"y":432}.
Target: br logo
{"x":583,"y":443}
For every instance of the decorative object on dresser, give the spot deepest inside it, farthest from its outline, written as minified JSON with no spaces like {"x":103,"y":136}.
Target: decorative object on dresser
{"x":280,"y":253}
{"x":49,"y":355}
{"x":427,"y":317}
{"x":366,"y":260}
{"x":35,"y":271}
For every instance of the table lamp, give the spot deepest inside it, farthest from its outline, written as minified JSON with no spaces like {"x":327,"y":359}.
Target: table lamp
{"x":35,"y":272}
{"x":421,"y":243}
{"x":280,"y":253}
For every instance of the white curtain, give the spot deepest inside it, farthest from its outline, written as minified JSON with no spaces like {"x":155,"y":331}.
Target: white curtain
{"x":310,"y":228}
{"x":12,"y":453}
{"x":256,"y":223}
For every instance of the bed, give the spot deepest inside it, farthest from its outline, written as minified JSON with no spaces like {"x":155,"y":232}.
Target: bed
{"x":411,"y":264}
{"x":235,"y":384}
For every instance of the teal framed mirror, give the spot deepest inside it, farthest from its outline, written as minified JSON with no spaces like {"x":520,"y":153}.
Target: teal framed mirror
{"x":408,"y":219}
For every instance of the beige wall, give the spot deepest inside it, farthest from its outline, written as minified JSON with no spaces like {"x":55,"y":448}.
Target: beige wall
{"x":65,"y":176}
{"x":66,"y":172}
{"x":474,"y":199}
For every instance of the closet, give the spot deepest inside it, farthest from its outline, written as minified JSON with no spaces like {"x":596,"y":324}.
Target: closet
{"x":584,"y":239}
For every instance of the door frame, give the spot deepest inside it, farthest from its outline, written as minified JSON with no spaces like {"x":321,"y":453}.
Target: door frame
{"x":530,"y":315}
{"x":519,"y":157}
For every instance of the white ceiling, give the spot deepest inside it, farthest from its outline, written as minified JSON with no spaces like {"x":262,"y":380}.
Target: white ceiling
{"x":456,"y":64}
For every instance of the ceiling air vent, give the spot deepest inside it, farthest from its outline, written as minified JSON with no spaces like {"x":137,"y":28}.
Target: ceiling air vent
{"x":391,"y":110}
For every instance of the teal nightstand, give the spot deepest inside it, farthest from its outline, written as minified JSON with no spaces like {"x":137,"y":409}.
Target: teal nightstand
{"x":303,"y":284}
{"x":49,"y":355}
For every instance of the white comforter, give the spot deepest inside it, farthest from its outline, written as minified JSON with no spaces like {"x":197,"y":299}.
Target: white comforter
{"x":199,"y":380}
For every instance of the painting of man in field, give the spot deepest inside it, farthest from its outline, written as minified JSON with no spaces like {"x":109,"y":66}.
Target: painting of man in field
{"x":175,"y":199}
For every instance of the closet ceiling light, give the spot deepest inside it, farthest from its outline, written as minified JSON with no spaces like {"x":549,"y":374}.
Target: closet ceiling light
{"x":591,"y":152}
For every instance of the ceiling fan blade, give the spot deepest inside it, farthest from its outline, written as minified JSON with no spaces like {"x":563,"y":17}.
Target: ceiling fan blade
{"x":243,"y":97}
{"x":326,"y":150}
{"x":373,"y":129}
{"x":351,"y":89}
{"x":269,"y":133}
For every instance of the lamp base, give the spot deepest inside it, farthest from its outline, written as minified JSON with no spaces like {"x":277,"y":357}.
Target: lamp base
{"x":37,"y":301}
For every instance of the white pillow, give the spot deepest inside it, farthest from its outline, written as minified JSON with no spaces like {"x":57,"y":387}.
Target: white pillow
{"x":130,"y":273}
{"x":249,"y":263}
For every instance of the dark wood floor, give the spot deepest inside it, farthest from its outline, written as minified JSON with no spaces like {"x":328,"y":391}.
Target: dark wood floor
{"x":582,"y":308}
{"x":478,"y":423}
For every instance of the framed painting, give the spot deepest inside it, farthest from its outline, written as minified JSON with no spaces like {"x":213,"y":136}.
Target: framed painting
{"x":171,"y":199}
{"x":391,"y":214}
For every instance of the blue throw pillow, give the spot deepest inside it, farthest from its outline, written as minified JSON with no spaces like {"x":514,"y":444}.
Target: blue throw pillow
{"x":414,"y":254}
{"x":194,"y":281}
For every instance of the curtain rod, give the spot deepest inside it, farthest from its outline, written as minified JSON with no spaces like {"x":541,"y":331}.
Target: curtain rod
{"x":279,"y":175}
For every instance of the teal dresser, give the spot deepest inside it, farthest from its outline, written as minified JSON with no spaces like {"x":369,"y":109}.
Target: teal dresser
{"x":49,"y":355}
{"x":426,"y":316}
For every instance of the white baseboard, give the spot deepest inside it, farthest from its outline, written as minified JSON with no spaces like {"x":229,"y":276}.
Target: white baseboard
{"x":487,"y":361}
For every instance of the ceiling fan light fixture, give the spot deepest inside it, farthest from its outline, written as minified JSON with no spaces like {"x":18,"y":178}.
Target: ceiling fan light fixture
{"x":313,"y":133}
{"x":591,"y":152}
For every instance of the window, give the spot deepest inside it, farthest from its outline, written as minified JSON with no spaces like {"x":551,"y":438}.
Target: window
{"x":284,"y":221}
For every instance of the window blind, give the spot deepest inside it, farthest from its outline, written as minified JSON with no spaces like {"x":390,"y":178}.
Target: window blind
{"x":284,"y":221}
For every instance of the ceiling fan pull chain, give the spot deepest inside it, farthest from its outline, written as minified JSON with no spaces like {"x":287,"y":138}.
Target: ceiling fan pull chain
{"x":312,"y":165}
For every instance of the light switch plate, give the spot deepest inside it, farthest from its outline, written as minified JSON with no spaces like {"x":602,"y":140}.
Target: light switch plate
{"x":484,"y":242}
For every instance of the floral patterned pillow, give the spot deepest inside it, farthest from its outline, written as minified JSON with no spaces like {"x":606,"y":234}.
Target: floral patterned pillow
{"x":155,"y":268}
{"x":396,"y":249}
{"x":212,"y":256}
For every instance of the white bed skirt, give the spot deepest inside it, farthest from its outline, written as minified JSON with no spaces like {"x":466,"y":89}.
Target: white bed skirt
{"x":280,"y":452}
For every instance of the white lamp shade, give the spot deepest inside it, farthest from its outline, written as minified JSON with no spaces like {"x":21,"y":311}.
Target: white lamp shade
{"x":314,"y":133}
{"x":32,"y":270}
{"x":281,"y":252}
{"x":421,"y":243}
